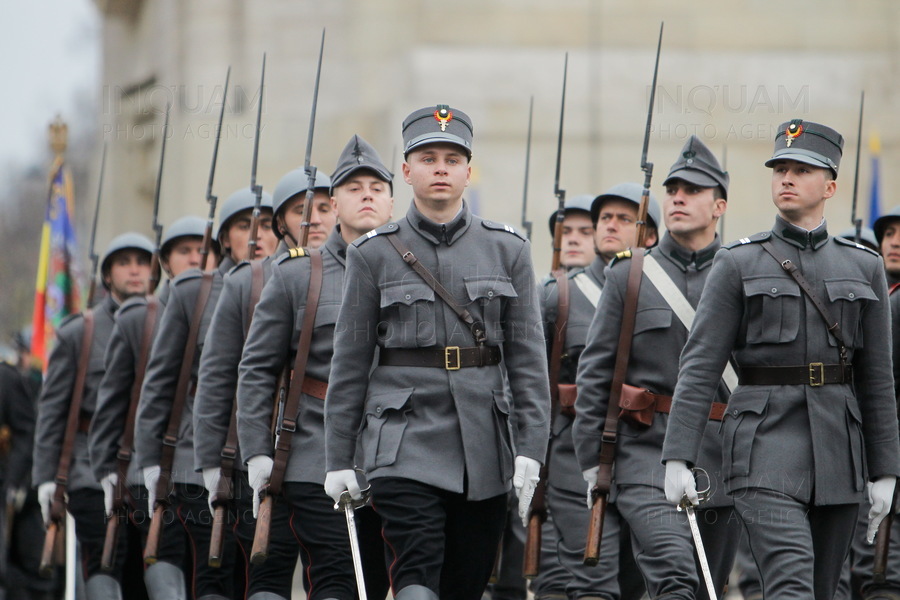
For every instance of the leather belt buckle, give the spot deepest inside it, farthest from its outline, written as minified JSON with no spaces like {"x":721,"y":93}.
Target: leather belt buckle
{"x":816,"y":374}
{"x":451,"y":358}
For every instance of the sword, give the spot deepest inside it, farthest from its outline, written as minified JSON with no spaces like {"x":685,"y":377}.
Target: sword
{"x":348,"y":505}
{"x":688,"y":508}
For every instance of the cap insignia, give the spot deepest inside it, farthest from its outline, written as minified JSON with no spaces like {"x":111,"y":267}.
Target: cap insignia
{"x":443,"y":115}
{"x":689,"y":155}
{"x":793,"y":131}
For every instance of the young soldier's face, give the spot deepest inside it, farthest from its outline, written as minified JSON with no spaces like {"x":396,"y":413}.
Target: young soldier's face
{"x":363,"y":203}
{"x":438,"y":173}
{"x":321,"y":220}
{"x":688,"y":208}
{"x":616,"y":228}
{"x":799,"y":189}
{"x":890,"y":248}
{"x":577,"y":240}
{"x":184,"y":253}
{"x":236,"y":238}
{"x":129,"y":274}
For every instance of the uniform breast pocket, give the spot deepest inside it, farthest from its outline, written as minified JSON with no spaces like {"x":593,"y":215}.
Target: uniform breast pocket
{"x":386,"y":420}
{"x":653,"y":318}
{"x":409,"y":314}
{"x":490,"y":294}
{"x":849,"y":297}
{"x":327,"y":315}
{"x":773,"y":309}
{"x":746,"y":411}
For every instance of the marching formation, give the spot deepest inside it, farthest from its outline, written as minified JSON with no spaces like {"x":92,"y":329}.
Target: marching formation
{"x":384,"y":402}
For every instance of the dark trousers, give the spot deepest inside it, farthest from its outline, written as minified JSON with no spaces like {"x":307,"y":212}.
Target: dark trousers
{"x":438,"y":539}
{"x":510,"y":583}
{"x":192,"y":509}
{"x":172,"y":539}
{"x":276,"y":574}
{"x":86,"y":507}
{"x":787,"y":537}
{"x":325,"y":546}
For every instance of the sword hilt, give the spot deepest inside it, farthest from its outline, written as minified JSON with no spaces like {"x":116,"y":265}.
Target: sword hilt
{"x":703,"y":494}
{"x":347,"y":501}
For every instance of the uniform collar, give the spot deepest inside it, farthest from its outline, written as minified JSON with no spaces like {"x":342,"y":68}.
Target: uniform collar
{"x":110,"y":305}
{"x":683,"y":258}
{"x":336,"y":245}
{"x":437,"y":233}
{"x":597,"y":270}
{"x":799,"y":237}
{"x":226,"y":265}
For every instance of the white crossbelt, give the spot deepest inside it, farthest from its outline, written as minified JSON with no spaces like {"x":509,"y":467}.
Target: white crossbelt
{"x":671,"y":294}
{"x":587,"y":286}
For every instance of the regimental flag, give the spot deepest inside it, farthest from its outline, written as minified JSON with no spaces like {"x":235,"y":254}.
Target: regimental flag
{"x":874,"y":190}
{"x":56,"y":292}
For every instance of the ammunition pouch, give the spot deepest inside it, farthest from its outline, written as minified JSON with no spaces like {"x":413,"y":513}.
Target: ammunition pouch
{"x":568,"y":392}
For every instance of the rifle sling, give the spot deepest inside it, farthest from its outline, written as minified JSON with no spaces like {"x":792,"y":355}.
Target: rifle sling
{"x":181,"y":390}
{"x":68,"y":445}
{"x":626,"y":334}
{"x":476,"y":327}
{"x":292,"y":405}
{"x":559,"y":338}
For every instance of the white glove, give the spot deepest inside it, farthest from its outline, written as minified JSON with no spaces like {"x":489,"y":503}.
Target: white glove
{"x":590,"y":476}
{"x":259,"y":470}
{"x":108,"y":484}
{"x":45,"y":498}
{"x":211,"y":477}
{"x":525,"y":480}
{"x":680,"y":483}
{"x":15,"y":497}
{"x":881,"y":496}
{"x":151,"y":477}
{"x":337,"y":482}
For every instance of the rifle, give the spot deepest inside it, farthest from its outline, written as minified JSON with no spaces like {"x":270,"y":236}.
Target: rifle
{"x":538,"y":514}
{"x":92,"y":254}
{"x":856,"y":222}
{"x":724,"y":168}
{"x":600,"y":491}
{"x":212,"y":199}
{"x":883,"y":540}
{"x":526,"y":224}
{"x":157,"y":227}
{"x":256,"y":189}
{"x":260,"y":549}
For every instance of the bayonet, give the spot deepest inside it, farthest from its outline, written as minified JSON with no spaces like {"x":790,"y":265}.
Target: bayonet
{"x":854,"y":220}
{"x":526,"y":224}
{"x":557,"y":191}
{"x":307,"y":161}
{"x":256,"y":189}
{"x":157,"y":227}
{"x":212,"y":199}
{"x":647,"y":166}
{"x":92,"y":253}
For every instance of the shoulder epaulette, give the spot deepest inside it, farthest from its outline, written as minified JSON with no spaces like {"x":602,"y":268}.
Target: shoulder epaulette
{"x":384,"y":229}
{"x":187,"y":276}
{"x":292,"y":253}
{"x":131,"y":303}
{"x":762,"y":236}
{"x":502,"y":227}
{"x":620,"y":256}
{"x":844,"y":241}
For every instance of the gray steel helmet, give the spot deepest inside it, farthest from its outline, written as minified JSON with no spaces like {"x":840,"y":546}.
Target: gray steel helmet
{"x":293,"y":183}
{"x":183,"y":227}
{"x":866,"y":236}
{"x":581,"y":202}
{"x":630,"y":192}
{"x":126,"y":241}
{"x":882,"y":222}
{"x":238,"y":201}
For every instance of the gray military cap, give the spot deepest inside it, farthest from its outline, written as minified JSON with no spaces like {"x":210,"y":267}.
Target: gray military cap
{"x":581,"y":203}
{"x":866,"y":236}
{"x":126,"y":241}
{"x":810,"y":143}
{"x":359,"y":155}
{"x":183,"y":227}
{"x":239,"y":201}
{"x":698,"y":165}
{"x":293,"y":183}
{"x":437,"y":124}
{"x":883,"y":221}
{"x":630,"y":192}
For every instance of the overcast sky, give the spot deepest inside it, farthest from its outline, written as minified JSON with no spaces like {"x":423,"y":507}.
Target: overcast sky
{"x":50,"y":51}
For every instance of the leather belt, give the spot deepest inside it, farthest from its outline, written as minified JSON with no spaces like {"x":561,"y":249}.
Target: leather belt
{"x":813,"y":374}
{"x":716,"y":411}
{"x":314,"y":387}
{"x":450,"y":358}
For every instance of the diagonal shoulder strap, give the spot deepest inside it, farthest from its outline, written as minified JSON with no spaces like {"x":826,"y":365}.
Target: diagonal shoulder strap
{"x":292,"y":405}
{"x":477,"y":327}
{"x":591,"y":290}
{"x":834,"y":327}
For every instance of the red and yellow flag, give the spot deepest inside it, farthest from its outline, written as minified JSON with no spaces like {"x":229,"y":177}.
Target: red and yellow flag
{"x":56,"y":292}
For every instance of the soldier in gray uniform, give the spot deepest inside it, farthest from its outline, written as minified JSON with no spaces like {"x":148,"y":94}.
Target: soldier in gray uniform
{"x":216,"y":389}
{"x":565,"y":485}
{"x":798,"y":441}
{"x":180,"y":250}
{"x":157,"y":395}
{"x":125,"y":271}
{"x":433,"y":416}
{"x":361,"y":194}
{"x":674,"y":272}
